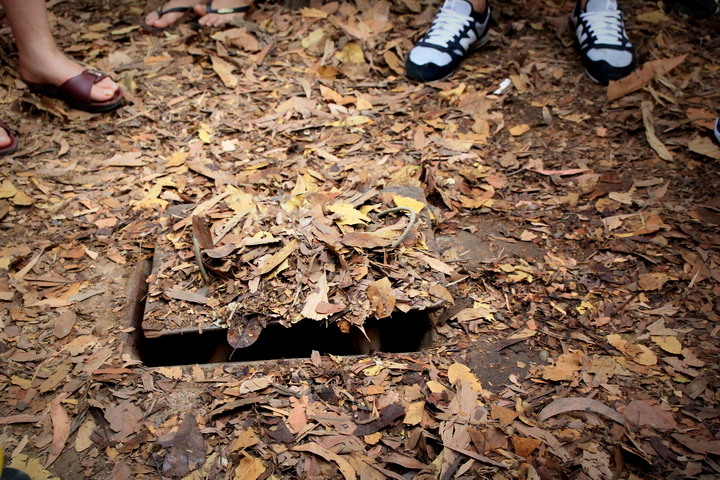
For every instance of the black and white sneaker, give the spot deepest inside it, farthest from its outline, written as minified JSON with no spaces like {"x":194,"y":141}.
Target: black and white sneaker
{"x":717,"y":129}
{"x":454,"y":33}
{"x":605,"y":48}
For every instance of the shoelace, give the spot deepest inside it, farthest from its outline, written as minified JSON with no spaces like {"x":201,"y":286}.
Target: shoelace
{"x":447,"y":24}
{"x":606,"y":26}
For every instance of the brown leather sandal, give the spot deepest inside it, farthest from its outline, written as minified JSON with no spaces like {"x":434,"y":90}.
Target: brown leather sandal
{"x":8,"y":149}
{"x":76,"y":92}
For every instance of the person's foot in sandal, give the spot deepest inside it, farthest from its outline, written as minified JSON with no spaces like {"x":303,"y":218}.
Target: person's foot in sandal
{"x":170,"y":13}
{"x":8,"y":142}
{"x":54,"y":69}
{"x":217,"y":13}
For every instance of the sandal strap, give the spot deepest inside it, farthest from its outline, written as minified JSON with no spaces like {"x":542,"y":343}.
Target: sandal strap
{"x":209,"y":9}
{"x":79,"y":86}
{"x":162,"y":12}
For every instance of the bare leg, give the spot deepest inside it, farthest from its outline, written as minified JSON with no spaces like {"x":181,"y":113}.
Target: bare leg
{"x":153,"y":19}
{"x":478,"y":5}
{"x":218,"y":19}
{"x":41,"y":61}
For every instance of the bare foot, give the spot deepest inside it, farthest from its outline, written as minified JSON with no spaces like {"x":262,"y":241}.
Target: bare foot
{"x":4,"y":138}
{"x":153,"y":19}
{"x":223,"y":17}
{"x":57,"y":68}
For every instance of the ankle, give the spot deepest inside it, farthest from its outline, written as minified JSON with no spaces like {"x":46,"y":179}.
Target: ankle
{"x":478,"y":6}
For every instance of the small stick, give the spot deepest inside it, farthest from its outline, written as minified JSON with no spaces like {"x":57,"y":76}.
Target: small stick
{"x":413,"y":216}
{"x":199,"y":260}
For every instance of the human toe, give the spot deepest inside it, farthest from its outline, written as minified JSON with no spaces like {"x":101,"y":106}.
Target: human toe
{"x":105,"y":89}
{"x":5,"y":139}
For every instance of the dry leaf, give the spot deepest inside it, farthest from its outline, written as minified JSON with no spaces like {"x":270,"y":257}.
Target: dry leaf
{"x":579,"y":404}
{"x":652,"y":139}
{"x":382,"y":297}
{"x":224,"y":70}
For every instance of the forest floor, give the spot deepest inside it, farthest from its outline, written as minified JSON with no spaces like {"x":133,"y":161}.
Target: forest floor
{"x":560,"y":286}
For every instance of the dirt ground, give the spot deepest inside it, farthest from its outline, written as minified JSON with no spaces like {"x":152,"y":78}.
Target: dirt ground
{"x":577,"y":232}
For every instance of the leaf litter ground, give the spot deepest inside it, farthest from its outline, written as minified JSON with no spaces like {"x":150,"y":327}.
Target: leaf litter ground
{"x":578,"y":238}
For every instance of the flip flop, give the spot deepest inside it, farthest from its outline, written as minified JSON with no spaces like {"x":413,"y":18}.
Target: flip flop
{"x":162,"y":12}
{"x":222,"y":11}
{"x":12,"y":148}
{"x":76,"y":92}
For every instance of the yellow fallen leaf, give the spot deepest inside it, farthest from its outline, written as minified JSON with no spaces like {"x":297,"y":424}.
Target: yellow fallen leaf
{"x":407,"y":202}
{"x":313,"y":13}
{"x":205,"y":136}
{"x":352,"y":121}
{"x":348,"y":214}
{"x":314,"y":38}
{"x":22,"y":199}
{"x":351,"y":53}
{"x":7,"y":189}
{"x":249,"y":468}
{"x":518,"y":130}
{"x":668,"y":343}
{"x":414,"y":413}
{"x":458,"y":371}
{"x":173,"y":373}
{"x":177,"y":159}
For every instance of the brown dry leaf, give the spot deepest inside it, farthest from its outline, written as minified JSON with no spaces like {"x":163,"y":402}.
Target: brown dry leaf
{"x":61,"y":428}
{"x":63,"y":324}
{"x":187,"y":449}
{"x":434,"y":263}
{"x":504,"y":415}
{"x":652,"y":139}
{"x":125,"y":419}
{"x":642,"y":76}
{"x":698,"y":444}
{"x":255,"y":384}
{"x":642,"y":414}
{"x":245,"y":438}
{"x":297,"y":419}
{"x":524,"y":446}
{"x":319,"y":296}
{"x":414,"y":413}
{"x":347,"y":471}
{"x":82,"y":438}
{"x":565,"y":368}
{"x":653,"y":281}
{"x":249,"y":468}
{"x":224,"y":70}
{"x":704,"y":146}
{"x":278,"y":257}
{"x":441,"y":292}
{"x":192,"y":297}
{"x":668,"y":343}
{"x":365,"y":240}
{"x":382,"y":297}
{"x":173,"y":373}
{"x":638,"y":353}
{"x":579,"y":404}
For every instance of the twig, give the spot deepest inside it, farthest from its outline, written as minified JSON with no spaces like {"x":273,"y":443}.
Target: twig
{"x":413,"y":216}
{"x":199,"y":260}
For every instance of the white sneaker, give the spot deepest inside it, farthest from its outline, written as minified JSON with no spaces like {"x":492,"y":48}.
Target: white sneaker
{"x":454,"y":33}
{"x":605,"y":48}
